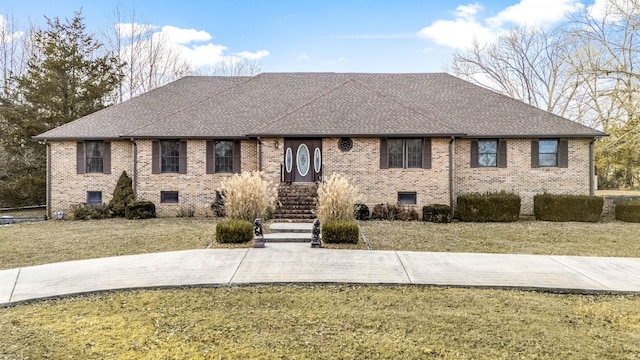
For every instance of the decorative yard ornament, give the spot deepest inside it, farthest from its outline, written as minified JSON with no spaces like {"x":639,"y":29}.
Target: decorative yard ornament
{"x":258,"y":241}
{"x":315,"y":234}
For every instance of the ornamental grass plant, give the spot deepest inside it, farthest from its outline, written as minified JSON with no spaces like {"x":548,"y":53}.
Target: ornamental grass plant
{"x":247,"y":196}
{"x":336,"y":199}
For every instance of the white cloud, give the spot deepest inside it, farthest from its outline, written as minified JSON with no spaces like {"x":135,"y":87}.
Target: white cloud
{"x":468,"y":24}
{"x":185,"y":36}
{"x":126,"y":30}
{"x":253,"y":56}
{"x":535,"y":12}
{"x":5,"y":35}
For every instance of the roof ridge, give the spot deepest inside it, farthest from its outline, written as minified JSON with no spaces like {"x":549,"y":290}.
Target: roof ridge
{"x":407,"y":106}
{"x":193,"y":103}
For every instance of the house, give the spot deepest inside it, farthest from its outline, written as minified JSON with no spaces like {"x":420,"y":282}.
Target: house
{"x":415,"y":138}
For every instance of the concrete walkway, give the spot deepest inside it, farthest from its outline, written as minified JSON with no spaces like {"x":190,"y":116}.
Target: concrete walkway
{"x":279,"y":263}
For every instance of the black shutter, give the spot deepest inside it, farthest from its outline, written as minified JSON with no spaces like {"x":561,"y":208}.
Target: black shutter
{"x":474,"y":154}
{"x":426,"y":153}
{"x":535,"y":157}
{"x":81,"y":167}
{"x":502,"y":153}
{"x":182,"y":160}
{"x":155,"y":157}
{"x":106,"y":157}
{"x":237,"y":159}
{"x":384,"y":155}
{"x":211,"y":157}
{"x":563,"y":153}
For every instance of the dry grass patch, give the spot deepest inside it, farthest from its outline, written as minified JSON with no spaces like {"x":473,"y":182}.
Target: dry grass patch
{"x":53,"y":241}
{"x":331,"y":322}
{"x":522,"y":237}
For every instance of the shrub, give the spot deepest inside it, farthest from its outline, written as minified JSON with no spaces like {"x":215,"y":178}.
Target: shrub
{"x":380,"y":212}
{"x":437,"y":213}
{"x":489,"y":207}
{"x":140,"y":210}
{"x":406,"y":213}
{"x":90,"y":212}
{"x":394,"y":212}
{"x":361,"y":212}
{"x":340,"y":231}
{"x":336,"y":199}
{"x":247,"y":196}
{"x":628,"y":211}
{"x":218,"y":205}
{"x":122,"y":195}
{"x":187,"y":211}
{"x":234,"y":231}
{"x":550,"y":207}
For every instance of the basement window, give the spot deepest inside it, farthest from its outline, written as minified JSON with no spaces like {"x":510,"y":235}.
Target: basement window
{"x":407,"y":197}
{"x":94,"y":197}
{"x":169,"y":197}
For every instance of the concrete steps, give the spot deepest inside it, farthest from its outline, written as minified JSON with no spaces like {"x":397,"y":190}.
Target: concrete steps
{"x":296,"y":202}
{"x":289,"y":232}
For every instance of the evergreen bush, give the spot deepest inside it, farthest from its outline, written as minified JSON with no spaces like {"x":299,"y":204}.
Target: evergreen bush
{"x":550,"y":207}
{"x":234,"y":231}
{"x":140,"y":210}
{"x":393,"y":212}
{"x":361,"y":212}
{"x":628,"y":211}
{"x":218,"y":205}
{"x":340,"y":231}
{"x":122,"y":196}
{"x":437,"y":213}
{"x":488,"y":207}
{"x":90,"y":212}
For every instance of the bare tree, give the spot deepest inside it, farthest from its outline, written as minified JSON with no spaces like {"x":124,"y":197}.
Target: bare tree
{"x":14,"y":51}
{"x":237,"y":66}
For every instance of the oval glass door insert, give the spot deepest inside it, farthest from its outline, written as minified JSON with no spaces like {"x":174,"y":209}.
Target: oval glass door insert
{"x":302,"y":160}
{"x":317,"y":160}
{"x":288,"y":160}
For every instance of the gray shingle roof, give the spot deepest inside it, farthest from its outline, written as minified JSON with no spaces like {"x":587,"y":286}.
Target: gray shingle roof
{"x":320,"y":104}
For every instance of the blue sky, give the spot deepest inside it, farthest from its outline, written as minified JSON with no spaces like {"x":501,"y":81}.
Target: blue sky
{"x":316,"y":35}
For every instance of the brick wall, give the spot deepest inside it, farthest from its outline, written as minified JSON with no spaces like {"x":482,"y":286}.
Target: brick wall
{"x":519,"y":176}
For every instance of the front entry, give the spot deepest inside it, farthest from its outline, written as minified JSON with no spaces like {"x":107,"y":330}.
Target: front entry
{"x":302,"y":160}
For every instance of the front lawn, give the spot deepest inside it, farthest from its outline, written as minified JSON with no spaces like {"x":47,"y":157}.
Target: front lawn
{"x":324,"y":322}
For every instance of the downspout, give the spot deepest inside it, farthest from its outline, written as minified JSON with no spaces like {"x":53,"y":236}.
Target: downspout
{"x":259,"y":154}
{"x":135,"y":167}
{"x":48,"y":196}
{"x":451,"y":171}
{"x":592,"y":169}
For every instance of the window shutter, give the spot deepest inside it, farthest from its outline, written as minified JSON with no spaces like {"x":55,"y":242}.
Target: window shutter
{"x":426,"y":153}
{"x":155,"y":157}
{"x":106,"y":157}
{"x":502,"y":153}
{"x":236,"y":157}
{"x":535,"y":157}
{"x":384,"y":156}
{"x":211,"y":157}
{"x":182,"y":162}
{"x":563,"y":153}
{"x":474,"y":153}
{"x":81,"y":167}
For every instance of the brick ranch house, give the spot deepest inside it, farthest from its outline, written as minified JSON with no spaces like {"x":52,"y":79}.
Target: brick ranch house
{"x":414,"y":138}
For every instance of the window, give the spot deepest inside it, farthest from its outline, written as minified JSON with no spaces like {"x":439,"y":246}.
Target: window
{"x":549,"y":153}
{"x":93,"y":151}
{"x":169,"y":197}
{"x":407,"y":197}
{"x":170,"y":156}
{"x":93,"y":157}
{"x":224,"y":157}
{"x":405,"y":153}
{"x":94,"y":197}
{"x":489,"y":153}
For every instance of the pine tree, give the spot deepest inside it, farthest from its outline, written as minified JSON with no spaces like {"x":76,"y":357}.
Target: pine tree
{"x":66,"y":78}
{"x":122,"y":195}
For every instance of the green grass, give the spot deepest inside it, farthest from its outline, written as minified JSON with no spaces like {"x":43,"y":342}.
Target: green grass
{"x":612,"y":238}
{"x":324,"y":322}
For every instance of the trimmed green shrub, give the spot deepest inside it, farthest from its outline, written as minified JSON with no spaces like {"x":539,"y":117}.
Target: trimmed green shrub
{"x":90,"y":212}
{"x":340,"y":231}
{"x":489,"y":207}
{"x":437,"y":213}
{"x":234,"y":231}
{"x":361,"y":212}
{"x":628,"y":211}
{"x":140,"y":210}
{"x":122,"y":195}
{"x":550,"y":207}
